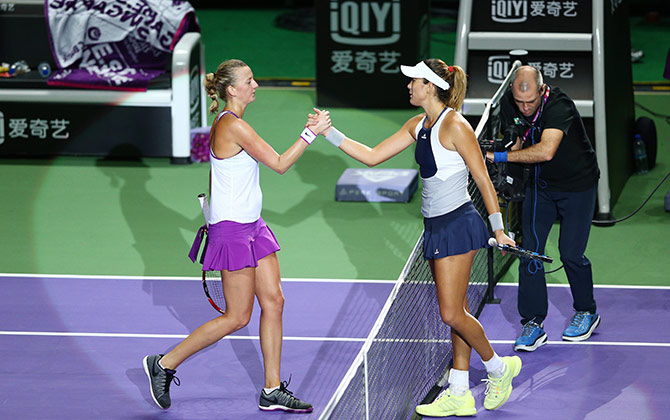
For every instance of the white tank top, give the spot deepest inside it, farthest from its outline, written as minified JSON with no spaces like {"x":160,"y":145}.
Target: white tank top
{"x":443,"y":172}
{"x":236,"y":193}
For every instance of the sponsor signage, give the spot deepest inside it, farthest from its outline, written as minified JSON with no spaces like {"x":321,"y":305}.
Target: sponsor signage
{"x":52,"y":129}
{"x":532,"y":16}
{"x":571,"y":71}
{"x":360,"y":47}
{"x":377,"y":185}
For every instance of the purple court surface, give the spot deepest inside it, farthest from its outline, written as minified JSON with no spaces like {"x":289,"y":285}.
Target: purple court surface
{"x":72,"y":349}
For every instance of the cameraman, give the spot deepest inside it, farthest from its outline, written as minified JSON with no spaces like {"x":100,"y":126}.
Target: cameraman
{"x":550,"y":135}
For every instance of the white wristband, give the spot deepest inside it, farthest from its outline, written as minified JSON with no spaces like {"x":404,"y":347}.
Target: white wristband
{"x":496,"y":221}
{"x":335,"y":136}
{"x":307,"y":135}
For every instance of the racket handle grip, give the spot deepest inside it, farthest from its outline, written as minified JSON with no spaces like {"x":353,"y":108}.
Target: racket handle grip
{"x":204,"y":205}
{"x":502,"y":247}
{"x":495,"y":244}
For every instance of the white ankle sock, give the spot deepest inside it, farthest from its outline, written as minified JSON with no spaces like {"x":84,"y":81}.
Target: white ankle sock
{"x":495,"y":366}
{"x":459,"y":382}
{"x":269,"y":390}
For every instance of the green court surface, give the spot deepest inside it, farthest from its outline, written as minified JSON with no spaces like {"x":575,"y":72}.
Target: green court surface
{"x":274,"y":52}
{"x":84,"y":215}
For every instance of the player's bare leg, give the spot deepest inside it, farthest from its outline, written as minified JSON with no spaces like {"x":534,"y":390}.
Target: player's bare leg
{"x":238,"y":289}
{"x":275,"y":395}
{"x":452,"y":275}
{"x":271,"y":301}
{"x":461,"y":349}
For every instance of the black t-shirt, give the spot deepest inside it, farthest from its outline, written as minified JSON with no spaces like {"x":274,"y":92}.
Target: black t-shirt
{"x":574,"y":166}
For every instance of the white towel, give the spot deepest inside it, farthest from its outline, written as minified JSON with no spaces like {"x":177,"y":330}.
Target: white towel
{"x":115,"y":43}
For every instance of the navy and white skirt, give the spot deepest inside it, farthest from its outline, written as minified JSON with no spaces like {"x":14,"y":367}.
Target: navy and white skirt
{"x":457,"y":232}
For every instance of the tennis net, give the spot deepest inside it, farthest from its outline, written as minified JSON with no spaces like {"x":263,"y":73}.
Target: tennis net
{"x":407,"y":355}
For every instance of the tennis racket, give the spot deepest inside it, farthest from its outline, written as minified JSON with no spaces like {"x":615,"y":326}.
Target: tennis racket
{"x":520,"y":252}
{"x":212,"y":283}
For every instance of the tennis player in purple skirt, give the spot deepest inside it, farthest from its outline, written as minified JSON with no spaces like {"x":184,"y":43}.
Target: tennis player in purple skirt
{"x":240,"y":244}
{"x":447,"y":150}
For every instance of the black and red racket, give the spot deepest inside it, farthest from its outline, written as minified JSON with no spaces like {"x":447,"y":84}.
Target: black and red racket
{"x":520,"y":252}
{"x":212,"y":283}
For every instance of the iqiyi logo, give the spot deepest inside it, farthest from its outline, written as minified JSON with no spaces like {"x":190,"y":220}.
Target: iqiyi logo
{"x":509,"y":11}
{"x":498,"y":68}
{"x":365,"y":22}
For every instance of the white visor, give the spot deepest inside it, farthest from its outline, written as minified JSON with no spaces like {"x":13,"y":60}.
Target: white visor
{"x":422,"y":71}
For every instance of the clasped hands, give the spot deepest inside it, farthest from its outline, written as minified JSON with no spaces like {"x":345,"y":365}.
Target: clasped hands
{"x":319,"y":122}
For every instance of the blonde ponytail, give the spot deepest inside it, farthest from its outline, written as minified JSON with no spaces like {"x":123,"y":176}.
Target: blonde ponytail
{"x":217,"y":83}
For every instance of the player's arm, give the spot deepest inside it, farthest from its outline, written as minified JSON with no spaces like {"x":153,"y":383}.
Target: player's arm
{"x":247,"y":138}
{"x":372,"y":156}
{"x":457,"y":135}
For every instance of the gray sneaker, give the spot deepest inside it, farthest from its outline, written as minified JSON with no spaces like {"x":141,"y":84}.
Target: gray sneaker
{"x":283,"y":399}
{"x":159,"y":380}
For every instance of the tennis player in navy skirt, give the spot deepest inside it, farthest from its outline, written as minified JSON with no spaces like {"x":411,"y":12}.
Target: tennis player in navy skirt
{"x":240,"y":244}
{"x":446,"y":151}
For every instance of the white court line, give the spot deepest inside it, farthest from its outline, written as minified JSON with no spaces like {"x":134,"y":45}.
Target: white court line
{"x":599,"y":286}
{"x":128,"y":335}
{"x":294,"y":338}
{"x":290,"y":280}
{"x":173,"y":278}
{"x":592,"y":343}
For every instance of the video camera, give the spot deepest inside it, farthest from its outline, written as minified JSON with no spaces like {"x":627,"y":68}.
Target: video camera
{"x":509,"y":179}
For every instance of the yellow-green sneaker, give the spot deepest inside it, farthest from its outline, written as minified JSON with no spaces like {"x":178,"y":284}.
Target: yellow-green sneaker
{"x":449,"y":405}
{"x":498,"y":390}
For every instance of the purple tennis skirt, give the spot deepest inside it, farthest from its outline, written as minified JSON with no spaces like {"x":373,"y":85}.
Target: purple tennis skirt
{"x":233,"y":246}
{"x":457,"y":232}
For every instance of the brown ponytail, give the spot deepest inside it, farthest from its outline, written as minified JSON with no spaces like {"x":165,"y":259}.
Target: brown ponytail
{"x":455,"y":75}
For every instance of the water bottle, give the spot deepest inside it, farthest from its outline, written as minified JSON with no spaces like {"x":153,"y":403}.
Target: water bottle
{"x":640,"y":153}
{"x":20,"y":67}
{"x":44,"y":69}
{"x":667,"y":201}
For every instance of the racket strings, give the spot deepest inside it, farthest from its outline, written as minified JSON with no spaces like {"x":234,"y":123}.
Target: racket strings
{"x":214,"y":289}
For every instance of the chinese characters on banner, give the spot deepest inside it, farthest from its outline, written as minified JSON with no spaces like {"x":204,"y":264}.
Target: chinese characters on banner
{"x":517,"y":11}
{"x":553,"y":70}
{"x":37,"y":128}
{"x":531,"y":20}
{"x":552,"y":16}
{"x":499,"y":65}
{"x":360,"y":47}
{"x":7,"y":7}
{"x":366,"y":61}
{"x":363,"y":25}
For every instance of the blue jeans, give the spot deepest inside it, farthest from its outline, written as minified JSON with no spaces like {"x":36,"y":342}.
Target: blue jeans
{"x":574,"y":210}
